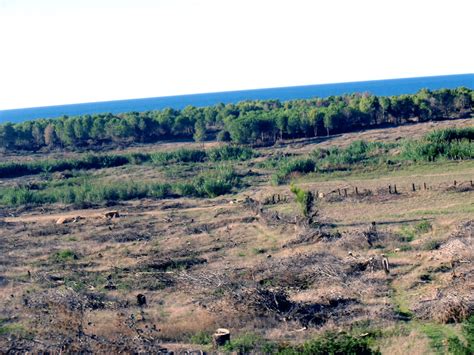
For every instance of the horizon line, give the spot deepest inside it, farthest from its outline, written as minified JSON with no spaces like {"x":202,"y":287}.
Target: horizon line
{"x":232,"y":91}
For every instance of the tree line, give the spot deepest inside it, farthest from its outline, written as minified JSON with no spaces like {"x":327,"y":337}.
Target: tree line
{"x":248,"y":122}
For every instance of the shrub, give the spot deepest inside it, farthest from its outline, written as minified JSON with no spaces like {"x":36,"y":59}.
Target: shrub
{"x":215,"y":184}
{"x":305,"y":199}
{"x":453,"y":144}
{"x":423,"y":227}
{"x":229,"y":152}
{"x":288,"y":166}
{"x":178,"y":156}
{"x":249,"y":342}
{"x":202,"y":338}
{"x":64,"y":256}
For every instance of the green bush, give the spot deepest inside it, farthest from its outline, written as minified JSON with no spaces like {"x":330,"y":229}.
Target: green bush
{"x":288,"y":166}
{"x":215,"y":184}
{"x":202,"y":338}
{"x":452,"y":144}
{"x":246,"y":343}
{"x":64,"y":256}
{"x":423,"y":227}
{"x":305,"y":199}
{"x":178,"y":156}
{"x":228,"y":152}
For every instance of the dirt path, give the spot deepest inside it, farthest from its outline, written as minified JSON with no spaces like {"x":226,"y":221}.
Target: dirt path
{"x":99,"y":213}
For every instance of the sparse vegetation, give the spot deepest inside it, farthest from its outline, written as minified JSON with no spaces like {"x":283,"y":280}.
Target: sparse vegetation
{"x":101,"y":254}
{"x":333,"y":344}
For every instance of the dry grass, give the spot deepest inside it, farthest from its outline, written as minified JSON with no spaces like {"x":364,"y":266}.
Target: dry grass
{"x":207,"y":263}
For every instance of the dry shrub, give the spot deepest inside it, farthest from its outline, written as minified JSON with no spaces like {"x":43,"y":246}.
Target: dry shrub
{"x":446,"y":307}
{"x":453,"y":309}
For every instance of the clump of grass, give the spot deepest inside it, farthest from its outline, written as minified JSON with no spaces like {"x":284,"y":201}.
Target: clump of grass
{"x":229,"y":152}
{"x":407,"y":234}
{"x":15,"y":329}
{"x":332,"y":343}
{"x":63,"y":256}
{"x":289,"y":166}
{"x":458,"y":347}
{"x":250,"y":342}
{"x":423,"y":227}
{"x":202,"y":338}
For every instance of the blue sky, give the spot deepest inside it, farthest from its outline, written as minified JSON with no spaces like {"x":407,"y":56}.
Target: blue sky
{"x":57,"y":52}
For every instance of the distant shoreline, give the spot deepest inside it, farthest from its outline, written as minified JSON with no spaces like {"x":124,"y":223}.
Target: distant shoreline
{"x":387,"y":87}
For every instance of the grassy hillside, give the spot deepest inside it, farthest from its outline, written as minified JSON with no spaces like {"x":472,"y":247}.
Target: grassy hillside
{"x":284,"y":246}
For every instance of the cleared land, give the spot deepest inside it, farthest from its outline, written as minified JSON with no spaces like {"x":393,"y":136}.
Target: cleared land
{"x":245,"y":260}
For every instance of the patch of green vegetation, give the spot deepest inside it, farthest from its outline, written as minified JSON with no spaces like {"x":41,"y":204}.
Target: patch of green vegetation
{"x":449,"y":143}
{"x":333,"y":344}
{"x":336,"y":158}
{"x":90,"y":161}
{"x":246,"y":343}
{"x":371,"y":159}
{"x":406,"y":248}
{"x":458,"y":346}
{"x":407,"y":234}
{"x":202,"y":338}
{"x":423,"y":227}
{"x":63,"y":256}
{"x":305,"y":200}
{"x":218,"y":182}
{"x":438,"y":334}
{"x":14,"y":329}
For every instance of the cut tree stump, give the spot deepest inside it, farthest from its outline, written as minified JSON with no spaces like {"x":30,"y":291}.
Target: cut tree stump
{"x":220,"y":337}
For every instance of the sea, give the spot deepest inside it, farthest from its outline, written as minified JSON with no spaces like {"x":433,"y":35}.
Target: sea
{"x":377,"y":87}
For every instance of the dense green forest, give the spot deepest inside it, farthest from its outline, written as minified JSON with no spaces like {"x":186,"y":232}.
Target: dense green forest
{"x":248,"y":122}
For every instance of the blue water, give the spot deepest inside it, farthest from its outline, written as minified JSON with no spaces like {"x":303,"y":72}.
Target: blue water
{"x":376,"y":87}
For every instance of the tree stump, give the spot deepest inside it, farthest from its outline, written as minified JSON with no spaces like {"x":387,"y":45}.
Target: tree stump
{"x":385,"y":265}
{"x":220,"y":337}
{"x":141,"y":300}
